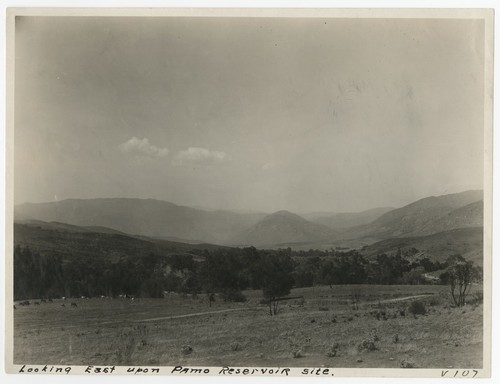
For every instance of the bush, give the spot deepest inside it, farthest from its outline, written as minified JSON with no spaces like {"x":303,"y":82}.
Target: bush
{"x":417,"y":307}
{"x":434,"y":301}
{"x":406,"y":364}
{"x":475,"y":299}
{"x":332,"y":352}
{"x":368,"y":345}
{"x":234,"y":296}
{"x":235,"y":346}
{"x":187,"y":350}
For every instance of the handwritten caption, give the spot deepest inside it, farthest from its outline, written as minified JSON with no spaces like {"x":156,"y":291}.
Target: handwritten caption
{"x":177,"y":370}
{"x":224,"y":371}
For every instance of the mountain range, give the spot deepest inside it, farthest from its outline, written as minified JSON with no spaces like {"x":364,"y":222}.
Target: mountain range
{"x":164,"y":220}
{"x":146,"y":217}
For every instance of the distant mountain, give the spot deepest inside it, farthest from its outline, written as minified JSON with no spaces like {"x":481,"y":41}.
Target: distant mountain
{"x":339,"y":221}
{"x":467,"y":242}
{"x":69,"y":241}
{"x":283,"y":228}
{"x":146,"y":217}
{"x":424,"y":217}
{"x":171,"y":222}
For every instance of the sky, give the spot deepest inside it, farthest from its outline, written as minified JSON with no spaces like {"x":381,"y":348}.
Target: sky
{"x":261,"y":114}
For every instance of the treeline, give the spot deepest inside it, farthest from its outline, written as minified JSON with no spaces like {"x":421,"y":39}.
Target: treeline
{"x":226,"y":271}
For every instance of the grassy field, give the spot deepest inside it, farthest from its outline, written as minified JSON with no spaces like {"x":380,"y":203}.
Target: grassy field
{"x":322,"y":329}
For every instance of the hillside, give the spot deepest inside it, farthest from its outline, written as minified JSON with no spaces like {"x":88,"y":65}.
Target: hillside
{"x":470,"y":215}
{"x":70,"y":241}
{"x":283,"y":228}
{"x":467,"y":242}
{"x":425,"y":216}
{"x":152,"y":218}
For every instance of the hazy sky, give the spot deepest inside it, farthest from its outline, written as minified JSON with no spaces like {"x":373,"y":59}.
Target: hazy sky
{"x":261,"y":114}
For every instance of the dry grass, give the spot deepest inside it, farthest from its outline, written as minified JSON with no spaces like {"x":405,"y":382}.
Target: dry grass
{"x":108,"y":331}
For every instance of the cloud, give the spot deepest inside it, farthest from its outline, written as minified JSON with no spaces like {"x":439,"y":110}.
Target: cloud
{"x":142,"y":147}
{"x":200,"y":155}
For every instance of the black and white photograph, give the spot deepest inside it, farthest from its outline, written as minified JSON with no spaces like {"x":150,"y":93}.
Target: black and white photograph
{"x":249,"y":192}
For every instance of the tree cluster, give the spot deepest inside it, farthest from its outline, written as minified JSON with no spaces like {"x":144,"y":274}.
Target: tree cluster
{"x":225,"y":271}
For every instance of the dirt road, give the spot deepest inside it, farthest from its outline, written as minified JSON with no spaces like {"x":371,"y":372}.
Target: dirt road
{"x":405,"y":298}
{"x":193,"y":314}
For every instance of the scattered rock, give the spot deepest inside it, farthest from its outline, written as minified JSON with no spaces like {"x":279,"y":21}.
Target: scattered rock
{"x":359,"y":360}
{"x":297,"y":354}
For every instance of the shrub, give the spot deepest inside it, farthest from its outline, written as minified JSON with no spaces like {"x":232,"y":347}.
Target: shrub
{"x":475,"y":299}
{"x":332,"y":352}
{"x":368,"y":345}
{"x":406,"y":364}
{"x":417,"y":307}
{"x":187,"y":350}
{"x":234,"y":296}
{"x":374,"y":336}
{"x":235,"y":346}
{"x":434,"y":301}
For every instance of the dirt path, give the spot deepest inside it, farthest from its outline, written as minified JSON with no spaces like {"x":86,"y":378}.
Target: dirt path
{"x":405,"y":298}
{"x":193,"y":314}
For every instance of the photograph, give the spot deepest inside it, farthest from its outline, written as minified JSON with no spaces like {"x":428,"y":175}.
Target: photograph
{"x":249,"y":192}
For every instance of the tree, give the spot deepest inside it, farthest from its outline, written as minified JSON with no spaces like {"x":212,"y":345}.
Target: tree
{"x":276,"y":272}
{"x":414,"y":276}
{"x":460,"y":277}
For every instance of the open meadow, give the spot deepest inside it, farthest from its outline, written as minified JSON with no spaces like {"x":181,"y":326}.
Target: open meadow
{"x":340,"y":326}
